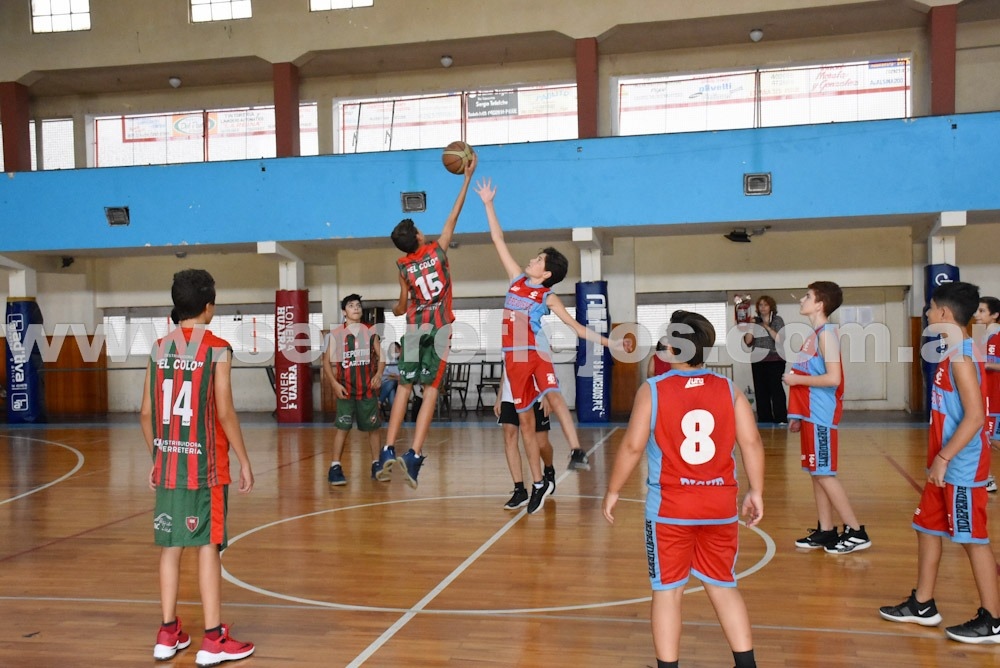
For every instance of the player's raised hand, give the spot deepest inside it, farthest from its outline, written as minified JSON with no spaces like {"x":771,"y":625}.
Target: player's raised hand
{"x":485,"y":190}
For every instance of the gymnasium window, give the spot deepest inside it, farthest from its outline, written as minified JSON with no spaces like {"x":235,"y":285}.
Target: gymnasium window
{"x":836,"y":92}
{"x":542,"y":113}
{"x":57,"y":144}
{"x":480,"y":330}
{"x":159,"y":139}
{"x":220,"y":10}
{"x":324,"y":5}
{"x":654,"y":318}
{"x":250,"y":333}
{"x":59,"y":15}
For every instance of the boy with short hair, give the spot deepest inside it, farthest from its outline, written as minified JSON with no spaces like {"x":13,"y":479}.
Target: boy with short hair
{"x":954,"y":500}
{"x":688,"y":422}
{"x":527,"y":362}
{"x":815,"y":403}
{"x":189,"y":423}
{"x":353,"y":367}
{"x":425,"y":298}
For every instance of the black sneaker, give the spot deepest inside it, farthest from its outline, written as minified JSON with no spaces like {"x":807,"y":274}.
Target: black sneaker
{"x":578,"y":460}
{"x":912,"y":611}
{"x":517,"y":499}
{"x":537,"y":499}
{"x":818,"y":539}
{"x":335,"y":476}
{"x":550,"y":474}
{"x":983,"y":629}
{"x":852,"y":540}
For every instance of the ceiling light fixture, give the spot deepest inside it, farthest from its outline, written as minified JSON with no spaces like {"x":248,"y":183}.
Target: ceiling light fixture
{"x":446,"y":61}
{"x":175,"y":82}
{"x":756,"y":35}
{"x":742,"y":234}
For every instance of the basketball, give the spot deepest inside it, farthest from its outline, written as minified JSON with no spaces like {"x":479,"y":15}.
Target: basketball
{"x":456,"y":156}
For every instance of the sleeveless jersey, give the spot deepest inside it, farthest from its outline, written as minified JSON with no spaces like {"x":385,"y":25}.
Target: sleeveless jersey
{"x":971,"y":466}
{"x":190,"y":449}
{"x":992,"y":356}
{"x":523,"y":309}
{"x":426,"y":272}
{"x":353,"y":360}
{"x":819,"y":405}
{"x":692,"y":471}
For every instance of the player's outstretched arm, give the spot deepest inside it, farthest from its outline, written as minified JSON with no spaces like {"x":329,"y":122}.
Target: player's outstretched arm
{"x":556,"y":306}
{"x":487,"y":192}
{"x":752,"y":452}
{"x":631,"y":449}
{"x":449,"y":225}
{"x":399,"y":308}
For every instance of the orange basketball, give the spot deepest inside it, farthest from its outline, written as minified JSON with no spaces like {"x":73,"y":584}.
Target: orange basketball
{"x":456,"y":156}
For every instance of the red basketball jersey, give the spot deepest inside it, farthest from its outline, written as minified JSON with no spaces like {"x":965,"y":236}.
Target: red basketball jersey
{"x":190,"y":449}
{"x":692,"y":472}
{"x":523,"y":309}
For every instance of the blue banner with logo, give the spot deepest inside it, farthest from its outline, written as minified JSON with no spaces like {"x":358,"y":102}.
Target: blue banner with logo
{"x":934,"y":275}
{"x":593,"y":361}
{"x":25,"y":386}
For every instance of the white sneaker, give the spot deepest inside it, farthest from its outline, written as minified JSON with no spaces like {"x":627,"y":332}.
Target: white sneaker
{"x":991,"y":485}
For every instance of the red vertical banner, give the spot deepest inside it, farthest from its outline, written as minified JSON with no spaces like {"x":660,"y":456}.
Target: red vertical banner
{"x":292,"y":351}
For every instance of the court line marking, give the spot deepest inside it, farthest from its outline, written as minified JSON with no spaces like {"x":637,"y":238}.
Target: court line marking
{"x":451,"y":577}
{"x":79,"y":465}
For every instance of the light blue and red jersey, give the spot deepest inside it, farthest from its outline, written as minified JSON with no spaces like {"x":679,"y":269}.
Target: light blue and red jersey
{"x":992,"y":356}
{"x":428,"y":277}
{"x":819,"y":405}
{"x":190,"y":449}
{"x":524,"y":307}
{"x":971,"y":466}
{"x":353,"y":360}
{"x":692,"y":470}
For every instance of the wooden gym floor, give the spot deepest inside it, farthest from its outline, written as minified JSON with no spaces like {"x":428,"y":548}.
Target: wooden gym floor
{"x":377,"y":574}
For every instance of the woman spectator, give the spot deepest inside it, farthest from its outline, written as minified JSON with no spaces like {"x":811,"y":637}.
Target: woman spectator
{"x":769,"y":368}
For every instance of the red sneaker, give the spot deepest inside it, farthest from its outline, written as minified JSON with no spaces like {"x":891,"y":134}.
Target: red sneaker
{"x":224,"y":648}
{"x":169,"y":641}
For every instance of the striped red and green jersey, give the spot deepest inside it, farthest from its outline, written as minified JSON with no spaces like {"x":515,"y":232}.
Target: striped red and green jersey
{"x":353,"y":355}
{"x":429,"y":279}
{"x":190,"y":449}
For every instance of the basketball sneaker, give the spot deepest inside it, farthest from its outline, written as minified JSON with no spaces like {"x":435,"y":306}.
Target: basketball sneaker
{"x":991,"y":485}
{"x":578,"y":460}
{"x":335,"y":475}
{"x":817,"y":539}
{"x":223,"y":648}
{"x":411,"y":462}
{"x":912,"y":611}
{"x":982,"y":629}
{"x":386,"y":460}
{"x":169,"y":639}
{"x":852,"y":540}
{"x":376,"y":467}
{"x":517,"y":499}
{"x":550,"y":474}
{"x":538,"y":495}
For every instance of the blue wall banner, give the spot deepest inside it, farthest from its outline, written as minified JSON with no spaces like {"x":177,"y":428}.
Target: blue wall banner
{"x":25,"y":384}
{"x":934,"y":275}
{"x":593,"y":361}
